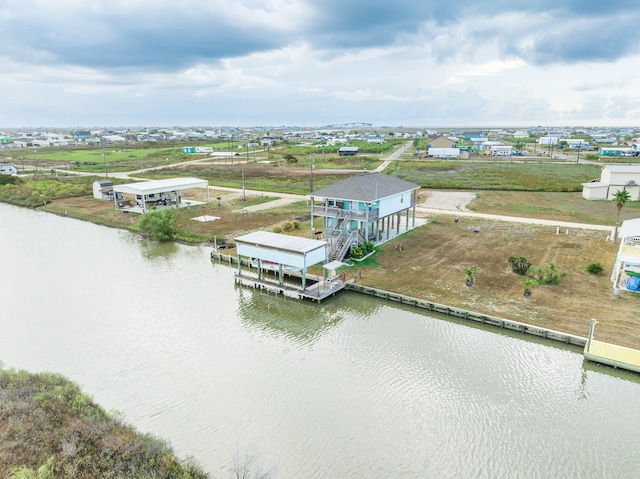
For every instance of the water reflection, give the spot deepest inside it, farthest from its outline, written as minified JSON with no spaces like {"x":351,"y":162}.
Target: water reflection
{"x":300,"y":321}
{"x":154,"y":249}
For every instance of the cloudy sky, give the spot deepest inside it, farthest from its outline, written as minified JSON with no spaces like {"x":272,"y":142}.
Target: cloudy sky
{"x":317,"y":62}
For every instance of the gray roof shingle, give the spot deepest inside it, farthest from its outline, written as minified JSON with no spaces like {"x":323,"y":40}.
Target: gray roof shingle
{"x":368,"y":187}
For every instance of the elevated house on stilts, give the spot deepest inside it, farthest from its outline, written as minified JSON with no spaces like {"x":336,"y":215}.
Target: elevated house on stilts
{"x":368,"y":207}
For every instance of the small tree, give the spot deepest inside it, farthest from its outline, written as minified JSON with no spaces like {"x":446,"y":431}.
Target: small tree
{"x":548,"y":274}
{"x":529,"y":284}
{"x":159,"y":223}
{"x":470,"y":275}
{"x":620,"y":197}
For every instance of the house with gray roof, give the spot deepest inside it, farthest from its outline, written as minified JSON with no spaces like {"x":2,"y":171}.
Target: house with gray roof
{"x":363,"y":208}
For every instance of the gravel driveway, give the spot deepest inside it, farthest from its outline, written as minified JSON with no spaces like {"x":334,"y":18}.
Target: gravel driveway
{"x":449,"y":200}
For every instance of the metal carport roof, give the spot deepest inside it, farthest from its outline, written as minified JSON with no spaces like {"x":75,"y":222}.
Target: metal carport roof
{"x":160,"y":186}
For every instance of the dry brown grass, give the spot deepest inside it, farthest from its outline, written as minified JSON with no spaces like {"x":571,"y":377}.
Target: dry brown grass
{"x":233,"y":220}
{"x":432,"y":257}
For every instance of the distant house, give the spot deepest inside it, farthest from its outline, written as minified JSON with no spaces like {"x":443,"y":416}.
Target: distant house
{"x":501,"y":150}
{"x":441,"y":142}
{"x":114,"y":139}
{"x":548,"y":140}
{"x":442,"y":147}
{"x":614,"y":178}
{"x":618,"y":151}
{"x":472,"y":134}
{"x":348,"y":151}
{"x":363,"y":208}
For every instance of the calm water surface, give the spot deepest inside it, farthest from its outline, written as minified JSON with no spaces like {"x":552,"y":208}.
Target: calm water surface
{"x":352,"y":388}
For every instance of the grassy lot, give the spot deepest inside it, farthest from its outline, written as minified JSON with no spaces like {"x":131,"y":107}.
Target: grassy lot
{"x":257,"y":177}
{"x":429,"y":267}
{"x":233,"y":221}
{"x":553,"y":206}
{"x":125,"y":157}
{"x":135,"y":156}
{"x":494,"y":175}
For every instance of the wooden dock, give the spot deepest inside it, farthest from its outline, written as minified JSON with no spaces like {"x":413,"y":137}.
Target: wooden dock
{"x":613,"y":355}
{"x":318,"y":291}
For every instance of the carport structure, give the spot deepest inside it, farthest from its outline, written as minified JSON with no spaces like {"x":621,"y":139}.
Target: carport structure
{"x":157,"y":193}
{"x":285,"y":253}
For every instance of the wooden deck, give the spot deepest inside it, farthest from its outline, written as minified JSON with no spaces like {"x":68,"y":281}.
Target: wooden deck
{"x":317,"y":291}
{"x":612,"y":355}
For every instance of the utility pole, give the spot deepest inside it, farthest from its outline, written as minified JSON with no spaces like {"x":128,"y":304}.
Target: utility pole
{"x":104,"y":160}
{"x":579,"y":149}
{"x":243,"y":196}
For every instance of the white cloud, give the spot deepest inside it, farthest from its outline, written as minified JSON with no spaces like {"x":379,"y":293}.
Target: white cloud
{"x":253,"y":59}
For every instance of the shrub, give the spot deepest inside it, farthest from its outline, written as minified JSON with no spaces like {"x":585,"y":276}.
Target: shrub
{"x":368,"y":247}
{"x":289,"y":158}
{"x":548,"y":274}
{"x":356,"y":252}
{"x":594,"y":267}
{"x":160,"y":224}
{"x":277,"y":229}
{"x":519,"y":265}
{"x":10,"y":180}
{"x":288,"y":226}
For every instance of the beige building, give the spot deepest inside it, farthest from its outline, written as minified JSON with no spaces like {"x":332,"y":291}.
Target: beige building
{"x":613,"y":179}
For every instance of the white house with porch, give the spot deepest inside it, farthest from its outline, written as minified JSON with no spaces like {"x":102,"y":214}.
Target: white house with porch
{"x":614,"y":178}
{"x":626,"y":272}
{"x":139,"y":197}
{"x":363,"y":208}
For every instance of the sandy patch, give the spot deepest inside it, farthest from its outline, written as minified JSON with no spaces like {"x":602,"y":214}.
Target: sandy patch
{"x":449,"y":200}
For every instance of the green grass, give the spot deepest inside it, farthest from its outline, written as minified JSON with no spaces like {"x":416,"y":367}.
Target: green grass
{"x":467,"y":175}
{"x":256,"y":177}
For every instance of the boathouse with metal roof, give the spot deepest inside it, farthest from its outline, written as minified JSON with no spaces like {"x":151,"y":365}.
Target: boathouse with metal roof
{"x":263,"y":251}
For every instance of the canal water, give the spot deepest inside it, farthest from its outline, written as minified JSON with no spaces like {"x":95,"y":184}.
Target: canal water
{"x":352,"y":388}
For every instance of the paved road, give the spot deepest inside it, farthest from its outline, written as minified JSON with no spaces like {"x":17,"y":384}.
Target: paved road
{"x":393,"y":156}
